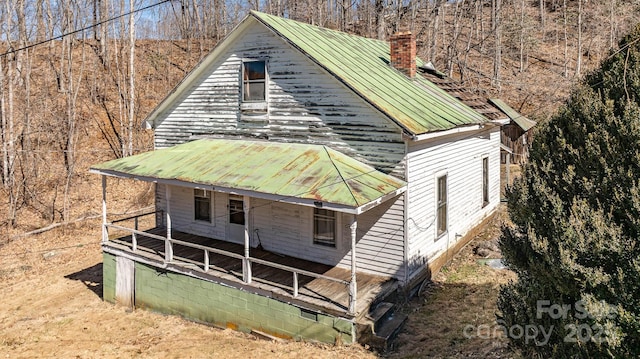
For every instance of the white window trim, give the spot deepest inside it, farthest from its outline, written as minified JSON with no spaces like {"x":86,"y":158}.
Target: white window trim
{"x":235,"y":198}
{"x":258,"y":106}
{"x":438,"y":175}
{"x":211,"y":196}
{"x":338,"y":231}
{"x":484,"y":204}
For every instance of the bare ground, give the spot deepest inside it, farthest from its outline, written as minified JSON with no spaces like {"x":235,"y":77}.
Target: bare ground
{"x":52,"y":307}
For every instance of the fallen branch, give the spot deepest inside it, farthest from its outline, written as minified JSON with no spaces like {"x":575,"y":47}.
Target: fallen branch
{"x":54,"y":225}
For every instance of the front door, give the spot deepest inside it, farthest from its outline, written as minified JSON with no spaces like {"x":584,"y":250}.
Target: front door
{"x":236,"y":219}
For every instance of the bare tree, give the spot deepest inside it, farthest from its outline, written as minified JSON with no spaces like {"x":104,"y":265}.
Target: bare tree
{"x":132,"y":46}
{"x":496,"y":6}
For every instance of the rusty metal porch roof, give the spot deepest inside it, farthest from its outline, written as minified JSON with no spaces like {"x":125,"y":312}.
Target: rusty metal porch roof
{"x":287,"y":172}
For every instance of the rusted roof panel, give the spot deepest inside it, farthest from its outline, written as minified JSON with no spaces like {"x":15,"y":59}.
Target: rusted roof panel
{"x":362,"y":64}
{"x":463,"y":94}
{"x":516,"y":117}
{"x":288,"y":170}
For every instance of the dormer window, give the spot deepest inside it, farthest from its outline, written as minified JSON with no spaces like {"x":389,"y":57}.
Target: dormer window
{"x":254,"y":81}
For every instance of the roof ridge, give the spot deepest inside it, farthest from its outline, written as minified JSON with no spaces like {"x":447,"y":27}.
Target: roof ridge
{"x":415,"y":105}
{"x":326,"y":150}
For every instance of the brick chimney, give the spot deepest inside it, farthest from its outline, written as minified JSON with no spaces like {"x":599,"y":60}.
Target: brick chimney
{"x":403,"y":53}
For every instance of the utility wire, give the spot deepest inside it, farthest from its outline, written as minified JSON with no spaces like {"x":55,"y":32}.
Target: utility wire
{"x":83,"y":29}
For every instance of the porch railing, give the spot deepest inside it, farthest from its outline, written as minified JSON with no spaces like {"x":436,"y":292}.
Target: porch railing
{"x":206,"y":264}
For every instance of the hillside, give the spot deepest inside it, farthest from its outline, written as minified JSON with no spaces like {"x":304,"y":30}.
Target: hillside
{"x":66,"y":103}
{"x":64,"y":106}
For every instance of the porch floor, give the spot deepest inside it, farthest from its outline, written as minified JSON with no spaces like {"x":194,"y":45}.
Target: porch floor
{"x":317,"y":293}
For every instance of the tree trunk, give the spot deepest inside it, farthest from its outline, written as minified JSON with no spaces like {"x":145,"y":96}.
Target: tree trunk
{"x":132,"y":46}
{"x":497,"y":31}
{"x":579,"y":49}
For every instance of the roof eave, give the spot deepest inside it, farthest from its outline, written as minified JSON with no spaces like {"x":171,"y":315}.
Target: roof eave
{"x":453,"y":131}
{"x":150,"y":120}
{"x":356,"y":210}
{"x":405,"y":129}
{"x":379,"y":201}
{"x":266,"y":196}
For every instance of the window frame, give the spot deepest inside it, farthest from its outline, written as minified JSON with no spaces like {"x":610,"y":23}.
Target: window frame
{"x":253,"y":104}
{"x":325,"y":242}
{"x":202,"y":196}
{"x":442,"y":205}
{"x":485,"y":181}
{"x":231,"y":215}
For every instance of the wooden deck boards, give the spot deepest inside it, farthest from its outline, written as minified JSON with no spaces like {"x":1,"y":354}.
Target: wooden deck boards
{"x":326,"y":294}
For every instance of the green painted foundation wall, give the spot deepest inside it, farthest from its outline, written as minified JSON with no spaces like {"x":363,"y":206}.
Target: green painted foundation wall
{"x":109,"y":278}
{"x":204,"y":301}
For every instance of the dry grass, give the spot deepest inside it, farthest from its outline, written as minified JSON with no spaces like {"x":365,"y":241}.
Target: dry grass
{"x":462,"y":295}
{"x":52,"y":306}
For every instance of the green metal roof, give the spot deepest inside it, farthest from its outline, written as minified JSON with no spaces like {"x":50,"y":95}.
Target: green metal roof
{"x":291,"y":171}
{"x":516,"y":117}
{"x":362,"y":64}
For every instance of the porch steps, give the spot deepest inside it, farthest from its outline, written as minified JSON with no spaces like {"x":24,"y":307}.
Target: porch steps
{"x":387,"y":323}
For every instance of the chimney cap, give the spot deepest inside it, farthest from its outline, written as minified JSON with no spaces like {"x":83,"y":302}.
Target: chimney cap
{"x":402,"y":33}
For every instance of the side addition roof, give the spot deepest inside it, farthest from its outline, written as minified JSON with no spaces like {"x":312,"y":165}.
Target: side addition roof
{"x":524,"y":123}
{"x":286,"y":172}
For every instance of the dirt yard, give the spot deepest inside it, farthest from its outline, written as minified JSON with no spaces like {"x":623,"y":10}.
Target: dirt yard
{"x":52,"y":307}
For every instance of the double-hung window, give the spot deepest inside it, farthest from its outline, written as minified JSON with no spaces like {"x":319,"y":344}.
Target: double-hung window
{"x":441,"y":210}
{"x":202,"y":205}
{"x":485,"y":181}
{"x":324,"y":227}
{"x":254,"y":81}
{"x":236,"y":211}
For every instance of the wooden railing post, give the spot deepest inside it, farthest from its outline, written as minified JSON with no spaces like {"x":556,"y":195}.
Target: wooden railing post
{"x":134,"y":236}
{"x":168,"y":249}
{"x":295,"y":284}
{"x":246,"y":268}
{"x":105,"y":230}
{"x":206,"y":260}
{"x":353,"y":287}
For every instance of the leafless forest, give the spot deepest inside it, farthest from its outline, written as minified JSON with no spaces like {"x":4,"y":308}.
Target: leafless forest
{"x":78,"y":77}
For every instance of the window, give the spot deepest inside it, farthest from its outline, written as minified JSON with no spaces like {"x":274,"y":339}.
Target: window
{"x":324,"y":227}
{"x":202,"y":205}
{"x":254,"y":81}
{"x":485,"y":181}
{"x":441,"y":219}
{"x":236,"y":211}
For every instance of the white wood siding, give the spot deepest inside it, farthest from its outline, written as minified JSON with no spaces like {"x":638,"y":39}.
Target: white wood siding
{"x":183,"y":216}
{"x":305,"y":104}
{"x":288,"y":229}
{"x":380,"y":236}
{"x":460,"y":158}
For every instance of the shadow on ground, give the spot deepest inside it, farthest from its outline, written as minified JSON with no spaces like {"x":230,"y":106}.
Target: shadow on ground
{"x":91,"y":277}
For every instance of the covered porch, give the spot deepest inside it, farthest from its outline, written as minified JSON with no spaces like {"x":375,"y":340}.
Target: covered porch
{"x":252,"y":175}
{"x":309,"y":284}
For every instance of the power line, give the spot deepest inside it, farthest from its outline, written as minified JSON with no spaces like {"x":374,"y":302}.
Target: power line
{"x":83,"y":29}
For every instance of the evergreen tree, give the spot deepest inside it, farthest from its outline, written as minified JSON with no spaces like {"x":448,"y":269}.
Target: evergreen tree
{"x":574,"y":242}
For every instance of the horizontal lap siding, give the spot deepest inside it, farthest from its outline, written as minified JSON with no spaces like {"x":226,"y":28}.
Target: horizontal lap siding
{"x":380,"y":235}
{"x":460,"y":157}
{"x":288,"y":229}
{"x":182,"y":212}
{"x":305,"y":104}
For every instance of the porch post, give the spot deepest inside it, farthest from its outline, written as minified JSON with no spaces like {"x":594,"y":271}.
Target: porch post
{"x":353,"y":288}
{"x":105,"y":231}
{"x":508,"y":165}
{"x":168,"y":249}
{"x":246,"y":268}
